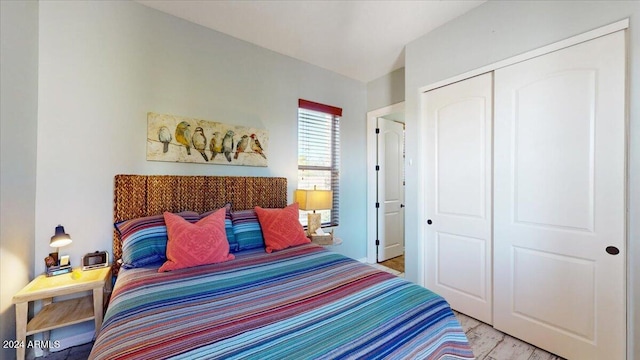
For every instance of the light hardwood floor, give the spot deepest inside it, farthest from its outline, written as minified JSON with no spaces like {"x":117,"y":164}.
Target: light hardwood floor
{"x":396,"y":263}
{"x":490,"y":344}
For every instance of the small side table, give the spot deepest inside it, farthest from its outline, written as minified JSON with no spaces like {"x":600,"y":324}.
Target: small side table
{"x":61,"y":313}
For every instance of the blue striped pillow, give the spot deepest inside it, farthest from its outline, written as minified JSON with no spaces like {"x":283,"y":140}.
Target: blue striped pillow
{"x":246,"y":229}
{"x":228,"y":227}
{"x":144,"y":240}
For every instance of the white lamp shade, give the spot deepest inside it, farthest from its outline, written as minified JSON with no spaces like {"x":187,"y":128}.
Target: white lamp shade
{"x":60,"y":242}
{"x":314,"y":199}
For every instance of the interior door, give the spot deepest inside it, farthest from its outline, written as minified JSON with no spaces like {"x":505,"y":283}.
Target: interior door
{"x":458,"y":189}
{"x":390,"y":189}
{"x":559,"y":205}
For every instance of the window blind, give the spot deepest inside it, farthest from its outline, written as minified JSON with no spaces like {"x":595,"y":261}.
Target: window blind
{"x":318,"y":154}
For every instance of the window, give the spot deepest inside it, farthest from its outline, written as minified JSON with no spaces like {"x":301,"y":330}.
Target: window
{"x":319,"y":154}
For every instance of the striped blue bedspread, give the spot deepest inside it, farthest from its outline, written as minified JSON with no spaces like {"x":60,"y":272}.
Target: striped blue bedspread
{"x":300,"y":303}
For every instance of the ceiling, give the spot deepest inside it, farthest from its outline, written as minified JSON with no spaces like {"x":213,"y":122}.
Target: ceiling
{"x":362,"y":40}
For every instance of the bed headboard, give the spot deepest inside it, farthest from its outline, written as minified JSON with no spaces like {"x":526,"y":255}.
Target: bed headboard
{"x":143,"y":195}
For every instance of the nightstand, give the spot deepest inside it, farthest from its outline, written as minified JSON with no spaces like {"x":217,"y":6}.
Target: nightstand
{"x":60,"y":313}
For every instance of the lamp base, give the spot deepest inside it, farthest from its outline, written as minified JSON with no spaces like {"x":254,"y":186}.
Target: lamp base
{"x":314,"y":222}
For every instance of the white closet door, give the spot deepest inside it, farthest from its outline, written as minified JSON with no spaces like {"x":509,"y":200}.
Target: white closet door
{"x":559,"y":204}
{"x":458,"y":189}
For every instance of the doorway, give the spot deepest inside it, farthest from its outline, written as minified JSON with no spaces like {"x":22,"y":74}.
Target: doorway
{"x":385,"y":194}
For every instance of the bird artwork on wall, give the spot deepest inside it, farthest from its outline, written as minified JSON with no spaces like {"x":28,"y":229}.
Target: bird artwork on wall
{"x":171,"y":138}
{"x":164,"y":135}
{"x":215,"y":145}
{"x":200,"y":142}
{"x":183,"y":135}
{"x":242,"y":146}
{"x":227,"y":145}
{"x":256,"y":146}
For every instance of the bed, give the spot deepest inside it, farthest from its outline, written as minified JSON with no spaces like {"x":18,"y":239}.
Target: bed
{"x":301,"y":302}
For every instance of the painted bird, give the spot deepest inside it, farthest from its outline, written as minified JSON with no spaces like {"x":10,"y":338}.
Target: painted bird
{"x":242,"y":145}
{"x":164,"y":135}
{"x":255,"y":145}
{"x":227,"y":145}
{"x":183,"y":135}
{"x":200,"y":142}
{"x":216,"y":144}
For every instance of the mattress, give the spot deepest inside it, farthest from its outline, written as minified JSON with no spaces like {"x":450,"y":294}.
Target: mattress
{"x":303,"y":302}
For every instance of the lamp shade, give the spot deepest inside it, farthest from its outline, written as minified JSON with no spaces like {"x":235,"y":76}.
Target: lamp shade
{"x":60,"y":238}
{"x":314,"y":199}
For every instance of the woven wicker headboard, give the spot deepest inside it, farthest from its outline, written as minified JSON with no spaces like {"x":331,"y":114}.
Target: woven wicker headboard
{"x":143,"y":195}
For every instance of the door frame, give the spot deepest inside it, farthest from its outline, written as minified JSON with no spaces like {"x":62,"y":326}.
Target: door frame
{"x":372,"y":117}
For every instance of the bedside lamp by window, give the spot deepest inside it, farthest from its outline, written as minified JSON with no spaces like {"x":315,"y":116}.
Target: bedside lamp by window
{"x":314,"y":200}
{"x":59,"y":240}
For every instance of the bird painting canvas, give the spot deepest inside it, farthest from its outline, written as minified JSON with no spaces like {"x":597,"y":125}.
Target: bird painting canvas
{"x":182,"y":139}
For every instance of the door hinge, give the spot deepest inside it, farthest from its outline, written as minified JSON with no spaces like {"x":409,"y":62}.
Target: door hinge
{"x":377,"y":130}
{"x":377,"y":242}
{"x":377,"y":205}
{"x":377,"y":167}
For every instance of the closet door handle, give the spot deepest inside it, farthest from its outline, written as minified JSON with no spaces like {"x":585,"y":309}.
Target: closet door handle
{"x":429,"y":222}
{"x":612,"y":250}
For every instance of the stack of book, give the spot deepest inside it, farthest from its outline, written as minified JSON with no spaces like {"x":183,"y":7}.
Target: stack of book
{"x":58,"y":270}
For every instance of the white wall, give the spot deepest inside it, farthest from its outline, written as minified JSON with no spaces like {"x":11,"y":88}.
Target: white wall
{"x":385,"y":90}
{"x":18,"y":119}
{"x":498,"y":30}
{"x":104,"y":65}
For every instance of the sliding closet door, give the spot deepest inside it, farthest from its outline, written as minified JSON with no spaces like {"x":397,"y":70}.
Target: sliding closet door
{"x":458,"y":189}
{"x":559,"y":205}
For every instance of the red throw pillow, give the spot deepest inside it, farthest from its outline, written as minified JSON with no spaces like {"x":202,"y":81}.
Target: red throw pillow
{"x":204,"y":242}
{"x":281,"y":228}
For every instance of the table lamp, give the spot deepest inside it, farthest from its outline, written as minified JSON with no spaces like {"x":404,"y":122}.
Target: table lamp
{"x":314,"y":200}
{"x":58,"y":240}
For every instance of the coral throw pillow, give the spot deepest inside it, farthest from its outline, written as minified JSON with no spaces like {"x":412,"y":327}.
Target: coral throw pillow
{"x":281,"y":228}
{"x":228,"y":227}
{"x":204,"y":242}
